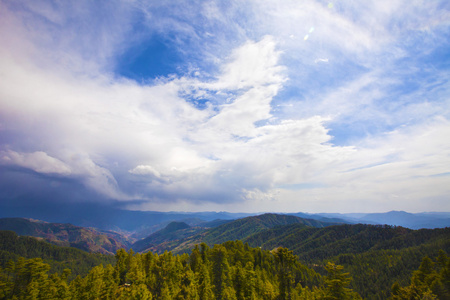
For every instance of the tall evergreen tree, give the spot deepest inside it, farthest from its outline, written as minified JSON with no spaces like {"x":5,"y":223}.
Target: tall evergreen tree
{"x":337,"y":282}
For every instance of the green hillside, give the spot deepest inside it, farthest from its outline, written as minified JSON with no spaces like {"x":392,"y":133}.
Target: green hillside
{"x":377,"y":256}
{"x":179,"y":237}
{"x":67,"y":235}
{"x":166,"y":238}
{"x":241,"y":229}
{"x":59,"y":258}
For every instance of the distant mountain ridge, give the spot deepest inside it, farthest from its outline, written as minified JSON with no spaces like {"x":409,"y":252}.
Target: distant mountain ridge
{"x":397,"y":218}
{"x":107,"y":218}
{"x":143,"y":223}
{"x":68,"y":235}
{"x":413,"y":221}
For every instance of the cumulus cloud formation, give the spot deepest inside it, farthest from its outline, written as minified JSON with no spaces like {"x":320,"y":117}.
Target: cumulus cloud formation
{"x":245,"y":115}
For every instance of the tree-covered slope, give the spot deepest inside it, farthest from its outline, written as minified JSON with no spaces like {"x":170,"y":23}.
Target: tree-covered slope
{"x":166,"y":238}
{"x":80,"y":262}
{"x":313,"y":244}
{"x":243,"y":228}
{"x":230,"y":231}
{"x":377,"y":256}
{"x":430,"y":281}
{"x":67,"y":235}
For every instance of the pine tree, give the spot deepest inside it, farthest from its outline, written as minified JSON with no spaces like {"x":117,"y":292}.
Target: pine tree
{"x":220,"y":270}
{"x":121,"y":266}
{"x":205,"y":287}
{"x":285,"y":264}
{"x":337,"y":282}
{"x":94,"y":286}
{"x":110,"y":284}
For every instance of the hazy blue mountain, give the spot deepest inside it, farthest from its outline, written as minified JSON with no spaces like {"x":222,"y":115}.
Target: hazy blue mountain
{"x":116,"y":218}
{"x":330,"y":218}
{"x":349,"y":218}
{"x":397,"y":218}
{"x":409,"y":220}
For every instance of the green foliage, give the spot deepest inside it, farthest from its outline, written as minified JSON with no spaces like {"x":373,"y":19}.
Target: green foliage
{"x":430,"y":281}
{"x":337,"y":283}
{"x":230,"y":271}
{"x":59,"y":258}
{"x":376,"y":256}
{"x":242,"y":228}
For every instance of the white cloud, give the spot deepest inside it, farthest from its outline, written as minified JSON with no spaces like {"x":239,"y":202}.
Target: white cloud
{"x":253,"y":64}
{"x":38,"y":161}
{"x":64,"y":113}
{"x":411,"y":163}
{"x":145,"y":170}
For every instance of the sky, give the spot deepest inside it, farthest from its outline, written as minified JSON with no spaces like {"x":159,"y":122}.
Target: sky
{"x":239,"y":106}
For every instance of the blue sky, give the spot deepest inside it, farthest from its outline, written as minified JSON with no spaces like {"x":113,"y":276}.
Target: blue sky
{"x":249,"y":106}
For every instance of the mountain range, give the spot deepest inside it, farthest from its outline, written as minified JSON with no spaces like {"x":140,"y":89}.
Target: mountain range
{"x":397,"y":218}
{"x":143,"y":223}
{"x":153,"y":231}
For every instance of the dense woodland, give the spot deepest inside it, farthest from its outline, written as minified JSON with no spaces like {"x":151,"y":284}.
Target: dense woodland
{"x":12,"y":247}
{"x":232,"y":270}
{"x":376,"y":256}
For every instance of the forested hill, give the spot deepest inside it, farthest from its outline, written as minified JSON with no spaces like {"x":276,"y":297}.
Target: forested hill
{"x":376,"y":256}
{"x":67,"y":235}
{"x":243,"y":228}
{"x":59,"y":258}
{"x":312,"y":244}
{"x":166,"y":238}
{"x":180,"y":239}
